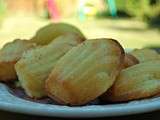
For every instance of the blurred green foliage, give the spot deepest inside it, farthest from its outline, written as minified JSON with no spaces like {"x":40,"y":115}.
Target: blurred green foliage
{"x":153,"y":17}
{"x":146,"y":10}
{"x":2,"y":10}
{"x":135,"y":8}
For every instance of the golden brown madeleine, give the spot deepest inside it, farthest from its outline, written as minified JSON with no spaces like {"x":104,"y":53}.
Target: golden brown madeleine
{"x":9,"y":55}
{"x":35,"y":65}
{"x":85,"y":72}
{"x":136,"y":82}
{"x":49,"y":32}
{"x":144,"y":55}
{"x":130,"y":60}
{"x":157,"y":95}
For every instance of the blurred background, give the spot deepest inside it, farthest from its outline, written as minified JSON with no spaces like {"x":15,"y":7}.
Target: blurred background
{"x":135,"y":23}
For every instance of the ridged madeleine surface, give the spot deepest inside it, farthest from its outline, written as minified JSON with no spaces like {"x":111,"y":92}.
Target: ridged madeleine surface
{"x":46,"y":34}
{"x":130,"y":60}
{"x":35,"y":66}
{"x":144,"y":55}
{"x":85,"y":72}
{"x":136,"y":82}
{"x":9,"y":55}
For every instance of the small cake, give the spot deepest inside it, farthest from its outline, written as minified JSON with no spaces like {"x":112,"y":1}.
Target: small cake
{"x":85,"y":72}
{"x":136,"y":82}
{"x":9,"y":55}
{"x":130,"y":60}
{"x":35,"y":65}
{"x":46,"y":34}
{"x":144,"y":55}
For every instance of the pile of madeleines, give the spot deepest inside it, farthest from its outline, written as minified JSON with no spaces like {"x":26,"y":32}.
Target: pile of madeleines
{"x":61,"y":63}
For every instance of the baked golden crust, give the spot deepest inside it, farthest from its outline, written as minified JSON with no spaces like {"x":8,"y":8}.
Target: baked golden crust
{"x":144,"y":55}
{"x":85,"y":72}
{"x":9,"y":55}
{"x":35,"y":66}
{"x":130,"y":60}
{"x":136,"y":82}
{"x":49,"y":32}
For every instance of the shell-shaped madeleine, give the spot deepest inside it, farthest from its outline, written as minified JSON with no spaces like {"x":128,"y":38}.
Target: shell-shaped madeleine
{"x":130,"y":60}
{"x":9,"y":55}
{"x":85,"y":72}
{"x":144,"y":55}
{"x":35,"y":65}
{"x":136,"y":82}
{"x":48,"y":33}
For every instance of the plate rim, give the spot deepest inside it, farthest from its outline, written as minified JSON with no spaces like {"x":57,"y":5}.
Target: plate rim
{"x":49,"y":110}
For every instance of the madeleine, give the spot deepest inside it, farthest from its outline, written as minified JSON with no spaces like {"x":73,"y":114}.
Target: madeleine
{"x":46,"y":34}
{"x":85,"y":72}
{"x":35,"y":65}
{"x":130,"y":60}
{"x":136,"y":82}
{"x":9,"y":55}
{"x":144,"y":55}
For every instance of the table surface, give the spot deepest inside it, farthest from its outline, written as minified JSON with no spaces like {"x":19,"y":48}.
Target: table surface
{"x":15,"y":116}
